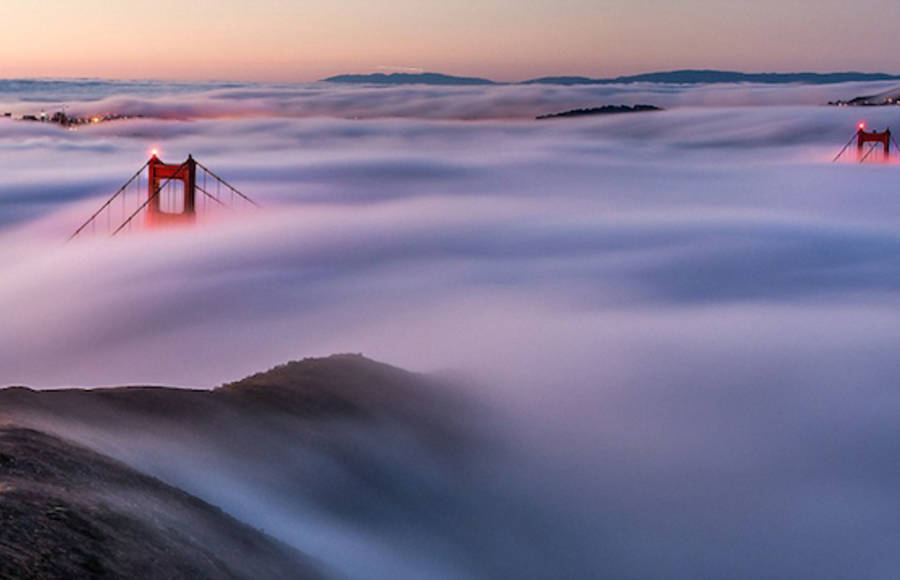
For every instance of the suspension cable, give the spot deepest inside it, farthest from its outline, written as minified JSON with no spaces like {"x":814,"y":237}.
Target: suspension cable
{"x":109,"y":201}
{"x":838,"y":156}
{"x":226,"y":184}
{"x":869,"y":152}
{"x":209,"y":195}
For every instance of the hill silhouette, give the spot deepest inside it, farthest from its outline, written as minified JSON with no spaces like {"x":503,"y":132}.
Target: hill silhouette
{"x":368,"y":445}
{"x":700,"y":76}
{"x":407,"y":79}
{"x":890,"y":97}
{"x":685,"y":76}
{"x":604,"y":110}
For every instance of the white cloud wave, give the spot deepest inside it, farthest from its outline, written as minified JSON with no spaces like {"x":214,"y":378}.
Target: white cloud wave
{"x":687,"y":316}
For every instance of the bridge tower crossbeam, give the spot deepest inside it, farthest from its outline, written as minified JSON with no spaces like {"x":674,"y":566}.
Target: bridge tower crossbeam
{"x":171,"y":198}
{"x":863,"y":137}
{"x":162,"y":174}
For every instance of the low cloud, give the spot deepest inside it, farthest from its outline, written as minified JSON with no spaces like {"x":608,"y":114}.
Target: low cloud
{"x":230,"y":100}
{"x":684,"y":320}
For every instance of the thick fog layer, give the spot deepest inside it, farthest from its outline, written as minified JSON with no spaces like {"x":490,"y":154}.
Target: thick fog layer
{"x":164,"y":100}
{"x":686,"y":320}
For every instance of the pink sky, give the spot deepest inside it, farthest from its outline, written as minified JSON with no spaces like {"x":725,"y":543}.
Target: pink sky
{"x":287,"y":40}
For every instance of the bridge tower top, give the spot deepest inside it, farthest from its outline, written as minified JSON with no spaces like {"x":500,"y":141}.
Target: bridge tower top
{"x":863,"y":137}
{"x":171,"y":192}
{"x":175,"y":194}
{"x":875,"y":140}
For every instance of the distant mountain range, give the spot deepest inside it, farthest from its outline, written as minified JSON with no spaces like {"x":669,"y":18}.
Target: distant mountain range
{"x":669,"y":77}
{"x":408,"y":79}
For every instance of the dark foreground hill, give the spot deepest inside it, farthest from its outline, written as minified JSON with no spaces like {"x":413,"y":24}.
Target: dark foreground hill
{"x":345,"y":448}
{"x":294,"y":398}
{"x":67,"y":512}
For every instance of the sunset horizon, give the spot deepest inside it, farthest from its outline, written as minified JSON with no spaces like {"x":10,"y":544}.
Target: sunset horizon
{"x":455,"y":73}
{"x":415,"y":290}
{"x":280,"y":41}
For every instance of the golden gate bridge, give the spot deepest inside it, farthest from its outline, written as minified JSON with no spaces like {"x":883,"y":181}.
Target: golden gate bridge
{"x":867,"y":142}
{"x":171,"y":191}
{"x":163,"y":194}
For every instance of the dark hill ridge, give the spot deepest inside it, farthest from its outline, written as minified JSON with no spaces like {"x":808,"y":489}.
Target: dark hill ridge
{"x":604,"y":110}
{"x":686,"y":76}
{"x":341,"y":383}
{"x":337,"y":443}
{"x":253,"y":418}
{"x":67,"y":512}
{"x":256,"y":428}
{"x":692,"y":76}
{"x":342,"y":386}
{"x":407,"y":79}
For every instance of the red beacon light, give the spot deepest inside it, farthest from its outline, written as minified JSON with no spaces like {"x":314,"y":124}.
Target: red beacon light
{"x":154,"y":152}
{"x":861,"y":126}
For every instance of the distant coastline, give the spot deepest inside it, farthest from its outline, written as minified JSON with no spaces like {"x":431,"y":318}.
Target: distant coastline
{"x":407,"y":79}
{"x":889,"y":98}
{"x":684,"y":77}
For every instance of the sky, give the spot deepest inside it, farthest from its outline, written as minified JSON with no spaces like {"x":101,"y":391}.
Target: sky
{"x":685,"y":321}
{"x":289,"y":41}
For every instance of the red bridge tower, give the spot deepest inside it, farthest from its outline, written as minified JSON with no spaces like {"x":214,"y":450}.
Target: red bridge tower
{"x":171,"y":198}
{"x":167,"y":208}
{"x":863,"y":137}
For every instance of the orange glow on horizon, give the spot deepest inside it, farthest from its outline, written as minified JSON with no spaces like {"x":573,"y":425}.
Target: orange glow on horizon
{"x":278,"y":40}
